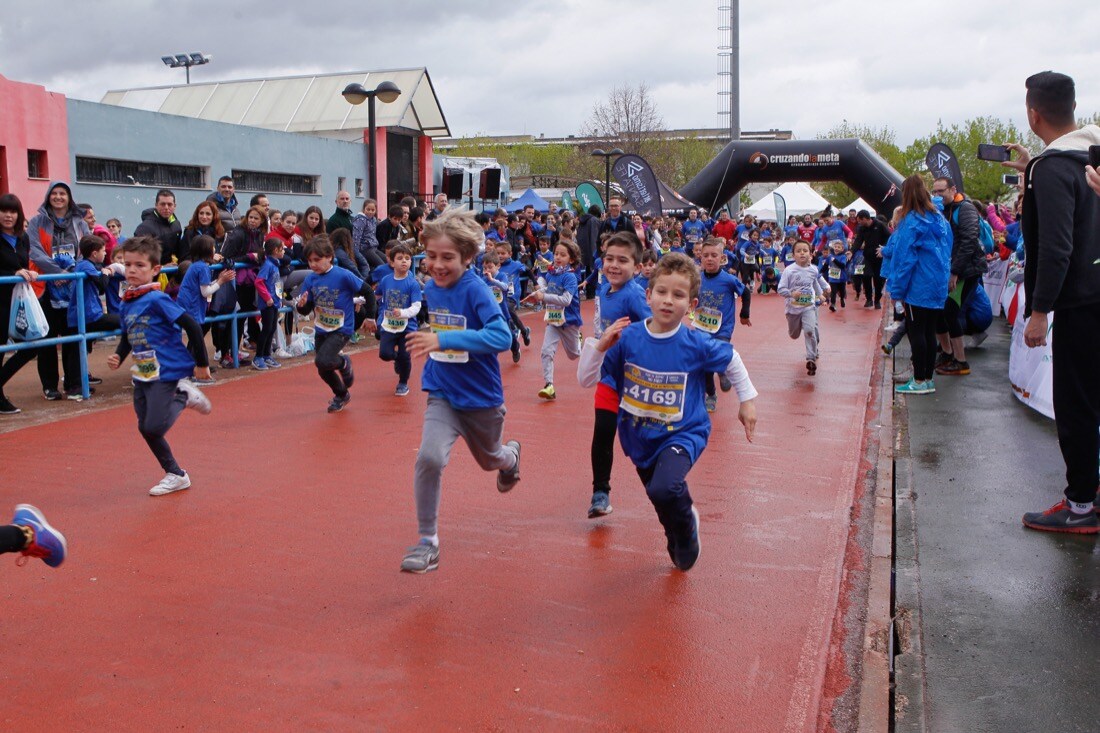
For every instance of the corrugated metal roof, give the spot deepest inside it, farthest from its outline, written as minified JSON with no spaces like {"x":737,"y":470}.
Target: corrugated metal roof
{"x":306,"y":104}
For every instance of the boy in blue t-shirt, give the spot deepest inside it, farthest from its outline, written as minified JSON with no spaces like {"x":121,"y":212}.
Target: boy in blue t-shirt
{"x":269,"y":298}
{"x":619,"y":296}
{"x":768,"y":261}
{"x":116,"y":282}
{"x":399,"y":298}
{"x":490,"y":265}
{"x":657,"y":368}
{"x":151,"y":324}
{"x":558,"y":291}
{"x":461,"y":376}
{"x":836,"y":269}
{"x":92,"y":251}
{"x":649,"y":261}
{"x":512,"y":272}
{"x":329,"y":292}
{"x":717,"y":309}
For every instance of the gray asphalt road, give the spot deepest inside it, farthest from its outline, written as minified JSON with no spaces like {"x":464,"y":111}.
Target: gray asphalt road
{"x":1011,"y":616}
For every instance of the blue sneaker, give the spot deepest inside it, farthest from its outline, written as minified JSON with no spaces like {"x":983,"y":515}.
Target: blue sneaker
{"x":915,"y":387}
{"x":402,"y":390}
{"x":685,"y":554}
{"x":271,"y":363}
{"x":259,"y":364}
{"x":48,"y":544}
{"x":601,"y":504}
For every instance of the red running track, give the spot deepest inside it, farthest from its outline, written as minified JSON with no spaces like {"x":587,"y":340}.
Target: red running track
{"x":268,"y":597}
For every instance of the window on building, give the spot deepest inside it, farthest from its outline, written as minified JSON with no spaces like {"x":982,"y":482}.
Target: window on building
{"x":37,"y":165}
{"x":342,"y":183}
{"x":359,"y":188}
{"x":139,"y":173}
{"x":270,"y":183}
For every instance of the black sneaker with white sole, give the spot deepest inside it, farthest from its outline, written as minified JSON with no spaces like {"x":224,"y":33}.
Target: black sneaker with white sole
{"x":7,"y":408}
{"x":339,"y":402}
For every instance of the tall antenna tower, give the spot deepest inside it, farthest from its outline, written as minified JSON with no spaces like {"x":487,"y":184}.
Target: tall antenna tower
{"x":729,"y":73}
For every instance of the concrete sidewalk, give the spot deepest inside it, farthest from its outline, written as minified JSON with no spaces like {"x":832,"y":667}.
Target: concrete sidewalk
{"x":997,"y":623}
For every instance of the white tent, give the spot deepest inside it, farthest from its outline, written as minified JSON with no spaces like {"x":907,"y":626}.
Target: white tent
{"x":859,"y":205}
{"x":800,"y":199}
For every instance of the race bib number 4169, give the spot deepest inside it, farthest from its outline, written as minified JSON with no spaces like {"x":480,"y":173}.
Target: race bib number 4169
{"x":657,"y":395}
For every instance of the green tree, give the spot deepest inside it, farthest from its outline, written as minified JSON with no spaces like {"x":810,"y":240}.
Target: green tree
{"x":982,"y":180}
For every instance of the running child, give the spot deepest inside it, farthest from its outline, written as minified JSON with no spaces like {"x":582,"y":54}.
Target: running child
{"x":544,"y":258}
{"x":750,"y":259}
{"x":803,"y":289}
{"x":836,"y":265}
{"x":461,"y":376}
{"x":399,"y":298}
{"x":649,"y":261}
{"x":718,"y":293}
{"x":558,"y":291}
{"x":490,"y":273}
{"x":269,"y":297}
{"x":151,"y":324}
{"x":330,"y":292}
{"x":768,"y":261}
{"x":658,"y":366}
{"x":619,"y":296}
{"x":31,"y":535}
{"x":512,"y":273}
{"x":786,"y":254}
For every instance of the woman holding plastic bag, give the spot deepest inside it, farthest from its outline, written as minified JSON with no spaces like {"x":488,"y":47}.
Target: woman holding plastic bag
{"x":14,"y":260}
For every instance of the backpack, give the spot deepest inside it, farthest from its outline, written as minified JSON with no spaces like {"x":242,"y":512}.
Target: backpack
{"x":985,"y":231}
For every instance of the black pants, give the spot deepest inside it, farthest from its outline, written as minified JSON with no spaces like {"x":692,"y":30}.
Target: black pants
{"x":603,"y":449}
{"x":374,"y":257}
{"x":589,"y":268}
{"x":1076,"y":391}
{"x":872,"y":280}
{"x":920,"y":324}
{"x":838,"y":289}
{"x":158,"y":405}
{"x":106,"y":322}
{"x":48,"y":374}
{"x":392,"y":348}
{"x":950,"y":321}
{"x":12,"y":538}
{"x":328,"y":359}
{"x":666,"y":486}
{"x":269,"y":320}
{"x":708,"y":384}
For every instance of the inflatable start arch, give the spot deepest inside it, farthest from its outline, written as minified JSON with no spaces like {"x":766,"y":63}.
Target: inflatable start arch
{"x":850,"y":160}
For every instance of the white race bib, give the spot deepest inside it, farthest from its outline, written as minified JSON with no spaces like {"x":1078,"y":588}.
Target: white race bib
{"x":394,"y":325}
{"x":440,"y":322}
{"x":145,"y":368}
{"x":859,"y":269}
{"x":834,"y":273}
{"x":803,"y":300}
{"x":656,"y":395}
{"x":708,"y":320}
{"x":750,"y":259}
{"x":328,"y":319}
{"x":555,"y":316}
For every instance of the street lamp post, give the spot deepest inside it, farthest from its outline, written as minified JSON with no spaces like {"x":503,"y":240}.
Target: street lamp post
{"x":356,"y":93}
{"x":186,"y":61}
{"x":599,"y":153}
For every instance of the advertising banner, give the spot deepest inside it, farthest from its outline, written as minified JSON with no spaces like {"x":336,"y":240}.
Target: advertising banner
{"x":587,"y":195}
{"x":639,"y":183}
{"x":780,"y":209}
{"x":941,"y":161}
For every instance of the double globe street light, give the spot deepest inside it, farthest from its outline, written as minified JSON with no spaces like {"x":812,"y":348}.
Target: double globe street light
{"x":356,"y":94}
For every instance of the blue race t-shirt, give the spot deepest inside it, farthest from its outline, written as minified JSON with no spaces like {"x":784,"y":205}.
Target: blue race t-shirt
{"x":836,"y":269}
{"x":660,"y":386}
{"x":786,"y":255}
{"x":394,"y":294}
{"x":694,"y":233}
{"x":116,"y":286}
{"x":629,"y":300}
{"x":715,"y":314}
{"x":499,"y":289}
{"x":511,"y":273}
{"x":560,"y":283}
{"x":642,"y":280}
{"x":93,"y":309}
{"x":190,"y":294}
{"x":767,"y":257}
{"x":333,"y":297}
{"x":378,"y":274}
{"x":269,"y":273}
{"x":156,"y":341}
{"x":467,"y":381}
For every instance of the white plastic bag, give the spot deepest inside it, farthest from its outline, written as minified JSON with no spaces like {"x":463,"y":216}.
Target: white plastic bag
{"x":301,"y":343}
{"x":28,"y":321}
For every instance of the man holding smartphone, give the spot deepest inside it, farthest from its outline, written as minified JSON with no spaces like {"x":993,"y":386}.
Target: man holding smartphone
{"x":1061,"y":227}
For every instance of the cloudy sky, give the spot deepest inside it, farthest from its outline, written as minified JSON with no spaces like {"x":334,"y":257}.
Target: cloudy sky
{"x":538,"y":67}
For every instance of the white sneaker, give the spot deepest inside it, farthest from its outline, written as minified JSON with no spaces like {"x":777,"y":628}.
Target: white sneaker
{"x":196,"y":400}
{"x":171,"y":483}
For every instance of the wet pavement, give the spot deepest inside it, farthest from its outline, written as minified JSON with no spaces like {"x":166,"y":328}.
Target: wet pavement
{"x":1008,"y":617}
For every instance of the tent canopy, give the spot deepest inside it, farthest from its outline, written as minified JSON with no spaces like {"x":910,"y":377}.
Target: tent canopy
{"x":529,"y":198}
{"x":800,"y":198}
{"x":859,"y":204}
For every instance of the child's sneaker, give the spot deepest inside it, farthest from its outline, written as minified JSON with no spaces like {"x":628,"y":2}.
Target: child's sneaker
{"x":711,"y":402}
{"x":515,"y":354}
{"x":832,"y":309}
{"x":811,"y":367}
{"x":196,"y":400}
{"x":507,"y":480}
{"x":686,"y":553}
{"x":526,"y":333}
{"x":601,"y":505}
{"x":402,"y":390}
{"x":1061,"y":518}
{"x":347,"y":373}
{"x":547,"y":392}
{"x":421,"y":558}
{"x":170,"y":484}
{"x":954,"y":368}
{"x":915,"y":387}
{"x":888,"y":349}
{"x":48,"y":544}
{"x":271,"y":363}
{"x":338,"y":402}
{"x":7,"y":408}
{"x":259,"y":364}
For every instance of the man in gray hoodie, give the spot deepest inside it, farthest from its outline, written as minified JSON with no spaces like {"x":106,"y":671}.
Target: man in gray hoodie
{"x":1061,"y":229}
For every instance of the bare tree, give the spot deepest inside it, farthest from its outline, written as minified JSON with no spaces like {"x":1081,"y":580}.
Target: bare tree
{"x":627,"y":117}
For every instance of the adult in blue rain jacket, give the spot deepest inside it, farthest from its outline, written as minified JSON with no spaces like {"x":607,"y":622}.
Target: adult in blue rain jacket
{"x":917,"y":264}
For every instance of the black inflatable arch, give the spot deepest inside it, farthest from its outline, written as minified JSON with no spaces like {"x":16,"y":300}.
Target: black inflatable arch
{"x":850,"y":160}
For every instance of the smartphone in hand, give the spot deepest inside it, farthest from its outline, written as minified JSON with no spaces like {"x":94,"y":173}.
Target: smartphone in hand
{"x":993,"y":153}
{"x":1094,"y":156}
